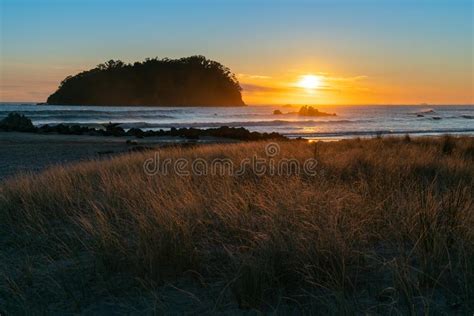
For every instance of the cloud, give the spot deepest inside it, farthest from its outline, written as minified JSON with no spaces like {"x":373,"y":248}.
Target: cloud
{"x":247,"y":76}
{"x":346,"y":79}
{"x":249,"y":87}
{"x":255,"y":88}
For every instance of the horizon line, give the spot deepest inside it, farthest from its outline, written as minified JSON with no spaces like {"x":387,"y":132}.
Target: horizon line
{"x":266,"y":104}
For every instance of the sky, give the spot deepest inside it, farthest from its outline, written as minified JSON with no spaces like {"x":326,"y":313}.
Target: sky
{"x":359,"y":52}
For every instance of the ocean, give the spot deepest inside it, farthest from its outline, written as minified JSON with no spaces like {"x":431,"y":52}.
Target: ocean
{"x":349,"y":122}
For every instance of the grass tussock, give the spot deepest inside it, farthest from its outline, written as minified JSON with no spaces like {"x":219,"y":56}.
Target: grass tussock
{"x":386,"y":226}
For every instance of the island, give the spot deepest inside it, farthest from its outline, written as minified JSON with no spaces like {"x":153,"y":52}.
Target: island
{"x":189,"y":81}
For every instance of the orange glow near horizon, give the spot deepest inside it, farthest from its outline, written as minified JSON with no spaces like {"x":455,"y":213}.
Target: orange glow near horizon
{"x":340,"y":89}
{"x":294,"y":88}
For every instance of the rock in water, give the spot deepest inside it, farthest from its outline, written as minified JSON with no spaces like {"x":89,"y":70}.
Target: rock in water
{"x":311,"y":111}
{"x":17,"y":122}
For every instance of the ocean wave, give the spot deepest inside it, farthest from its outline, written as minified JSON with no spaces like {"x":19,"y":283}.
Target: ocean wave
{"x":238,"y":124}
{"x":380,"y":132}
{"x":456,"y":117}
{"x":77,"y":112}
{"x":426,"y":111}
{"x":277,"y":124}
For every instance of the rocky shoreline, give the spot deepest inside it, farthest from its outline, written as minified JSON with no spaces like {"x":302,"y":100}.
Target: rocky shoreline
{"x":19,"y":123}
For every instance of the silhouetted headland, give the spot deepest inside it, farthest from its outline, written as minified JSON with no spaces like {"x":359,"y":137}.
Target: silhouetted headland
{"x":190,"y":81}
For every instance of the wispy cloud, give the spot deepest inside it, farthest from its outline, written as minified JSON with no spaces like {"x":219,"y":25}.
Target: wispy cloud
{"x":249,"y":87}
{"x":249,"y":76}
{"x":346,"y":79}
{"x":255,"y":88}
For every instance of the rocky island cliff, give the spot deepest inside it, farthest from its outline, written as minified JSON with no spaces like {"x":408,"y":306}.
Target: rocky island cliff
{"x":190,"y":81}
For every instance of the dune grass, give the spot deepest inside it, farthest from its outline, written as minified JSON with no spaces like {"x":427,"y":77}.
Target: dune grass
{"x":386,"y":226}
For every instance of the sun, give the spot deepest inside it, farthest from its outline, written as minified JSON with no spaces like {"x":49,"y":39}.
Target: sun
{"x":309,"y":82}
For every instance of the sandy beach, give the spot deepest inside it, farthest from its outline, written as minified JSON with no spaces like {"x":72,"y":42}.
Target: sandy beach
{"x":28,"y":152}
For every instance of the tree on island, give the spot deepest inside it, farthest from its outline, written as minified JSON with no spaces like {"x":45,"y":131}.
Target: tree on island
{"x":189,"y":81}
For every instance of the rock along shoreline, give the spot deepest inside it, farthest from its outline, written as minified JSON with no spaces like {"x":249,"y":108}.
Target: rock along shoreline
{"x":19,"y":123}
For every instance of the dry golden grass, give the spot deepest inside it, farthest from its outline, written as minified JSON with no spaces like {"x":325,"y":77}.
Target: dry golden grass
{"x":387,"y":226}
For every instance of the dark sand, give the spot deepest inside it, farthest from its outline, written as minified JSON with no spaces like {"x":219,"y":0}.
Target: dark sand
{"x":26,"y":153}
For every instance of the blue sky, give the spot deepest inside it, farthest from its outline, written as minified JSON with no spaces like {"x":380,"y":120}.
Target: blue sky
{"x":417,"y":43}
